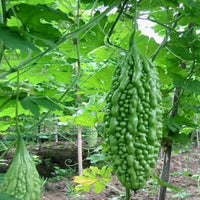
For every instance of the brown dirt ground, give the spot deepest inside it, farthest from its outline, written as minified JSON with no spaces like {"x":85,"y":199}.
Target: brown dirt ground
{"x":184,"y":166}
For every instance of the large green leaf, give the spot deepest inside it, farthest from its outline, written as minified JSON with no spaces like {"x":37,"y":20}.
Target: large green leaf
{"x":28,"y":13}
{"x":60,"y":73}
{"x":4,"y":125}
{"x":46,"y":102}
{"x":180,"y":52}
{"x":177,"y":78}
{"x":32,"y":103}
{"x":146,"y":44}
{"x":15,"y":40}
{"x":101,"y":80}
{"x":29,"y":104}
{"x":89,"y":40}
{"x":93,"y":176}
{"x":193,"y":86}
{"x":101,"y":53}
{"x":37,"y":19}
{"x":179,"y":122}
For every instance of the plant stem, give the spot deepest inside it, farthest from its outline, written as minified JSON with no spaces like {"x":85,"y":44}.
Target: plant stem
{"x":128,"y":194}
{"x":121,"y":9}
{"x":3,"y":21}
{"x":17,"y":107}
{"x":114,"y":188}
{"x":8,"y":149}
{"x":135,"y":26}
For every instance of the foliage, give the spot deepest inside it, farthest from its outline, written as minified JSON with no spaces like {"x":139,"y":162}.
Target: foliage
{"x":93,"y":178}
{"x":22,"y":179}
{"x":60,"y":173}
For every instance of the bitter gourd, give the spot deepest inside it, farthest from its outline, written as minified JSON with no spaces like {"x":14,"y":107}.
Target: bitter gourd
{"x":22,"y":179}
{"x":133,"y":116}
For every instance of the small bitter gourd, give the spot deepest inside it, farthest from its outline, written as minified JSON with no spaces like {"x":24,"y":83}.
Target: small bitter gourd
{"x":133,"y":126}
{"x":22,"y":179}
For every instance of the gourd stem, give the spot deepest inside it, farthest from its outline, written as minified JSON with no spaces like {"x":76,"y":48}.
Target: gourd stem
{"x":128,"y":194}
{"x":135,"y":26}
{"x":17,"y":107}
{"x":3,"y":21}
{"x":121,"y":9}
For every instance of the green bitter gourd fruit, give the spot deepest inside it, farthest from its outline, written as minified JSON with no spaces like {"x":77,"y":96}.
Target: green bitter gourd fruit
{"x":22,"y":179}
{"x":133,"y":116}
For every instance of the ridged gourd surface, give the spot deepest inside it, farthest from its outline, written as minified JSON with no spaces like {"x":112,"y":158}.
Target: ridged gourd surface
{"x":133,"y":120}
{"x":22,"y":179}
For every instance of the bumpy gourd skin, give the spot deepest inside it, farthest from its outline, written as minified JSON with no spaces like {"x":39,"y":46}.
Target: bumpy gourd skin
{"x":133,"y":125}
{"x":22,"y":179}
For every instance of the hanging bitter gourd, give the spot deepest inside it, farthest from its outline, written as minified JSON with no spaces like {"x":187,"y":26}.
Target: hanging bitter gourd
{"x":133,"y":116}
{"x":22,"y":179}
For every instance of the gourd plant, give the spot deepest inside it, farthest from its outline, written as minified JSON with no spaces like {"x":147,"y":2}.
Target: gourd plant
{"x":133,"y":119}
{"x":22,"y":179}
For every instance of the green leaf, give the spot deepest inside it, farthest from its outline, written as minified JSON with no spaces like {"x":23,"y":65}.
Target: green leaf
{"x":60,"y":73}
{"x":101,"y":80}
{"x":178,"y":122}
{"x":28,"y":13}
{"x":101,"y":53}
{"x":177,"y":78}
{"x":181,"y":138}
{"x":10,"y":111}
{"x":46,"y":102}
{"x":179,"y":47}
{"x":67,"y":118}
{"x":192,"y":107}
{"x":95,"y":177}
{"x":86,"y":119}
{"x":15,"y":40}
{"x":39,"y":72}
{"x":32,"y":103}
{"x":96,"y":158}
{"x":162,"y":16}
{"x":4,"y":125}
{"x":193,"y":86}
{"x":99,"y":186}
{"x":37,"y":20}
{"x":146,"y":44}
{"x":180,"y":52}
{"x":29,"y":104}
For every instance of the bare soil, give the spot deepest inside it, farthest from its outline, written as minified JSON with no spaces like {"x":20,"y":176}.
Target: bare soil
{"x":184,"y":174}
